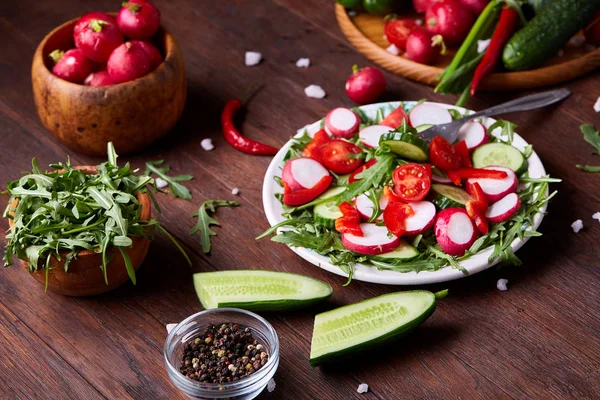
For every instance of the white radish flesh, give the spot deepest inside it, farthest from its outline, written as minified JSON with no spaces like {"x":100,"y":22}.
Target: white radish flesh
{"x":342,"y":122}
{"x":423,"y":218}
{"x":495,"y":189}
{"x":440,"y":179}
{"x":454,"y":231}
{"x":474,"y":134}
{"x":375,"y":240}
{"x":371,"y":134}
{"x":365,"y":208}
{"x":429,"y":114}
{"x":303,"y":173}
{"x":504,"y":209}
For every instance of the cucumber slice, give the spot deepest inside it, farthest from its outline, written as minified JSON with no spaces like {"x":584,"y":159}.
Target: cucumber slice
{"x":406,"y":145}
{"x":324,"y":198}
{"x":500,"y":154}
{"x":372,"y":322}
{"x":327,"y":213}
{"x":449,"y":196}
{"x":423,"y":127}
{"x":258,"y":290}
{"x":404,"y":251}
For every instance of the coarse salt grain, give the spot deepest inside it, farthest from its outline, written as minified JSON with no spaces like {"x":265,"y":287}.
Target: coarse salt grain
{"x":252,"y":58}
{"x":501,"y":284}
{"x":577,"y":40}
{"x":597,"y":105}
{"x":315,"y":91}
{"x":207,"y":144}
{"x":303,"y":63}
{"x":363,"y":388}
{"x":482,"y":45}
{"x":352,"y":13}
{"x":160,"y":183}
{"x":419,"y":22}
{"x":170,"y":327}
{"x":271,"y":385}
{"x":393,"y":50}
{"x":577,"y":225}
{"x":235,"y":191}
{"x":596,"y":216}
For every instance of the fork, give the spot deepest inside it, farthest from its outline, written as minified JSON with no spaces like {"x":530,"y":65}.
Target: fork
{"x":450,"y":130}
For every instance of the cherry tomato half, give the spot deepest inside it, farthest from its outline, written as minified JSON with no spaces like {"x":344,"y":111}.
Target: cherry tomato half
{"x":340,"y":156}
{"x":395,"y":119}
{"x":313,"y":149}
{"x":443,"y":155}
{"x":412,"y":181}
{"x":397,"y":31}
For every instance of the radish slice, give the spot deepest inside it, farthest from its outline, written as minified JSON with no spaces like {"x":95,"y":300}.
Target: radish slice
{"x":439,"y":178}
{"x":454,"y":231}
{"x":429,"y":114}
{"x":376,"y":240}
{"x":474,"y":134}
{"x":422,"y":219}
{"x":342,"y":122}
{"x":504,"y":209}
{"x":364,"y":205}
{"x":495,"y":189}
{"x":303,"y":173}
{"x":371,"y":134}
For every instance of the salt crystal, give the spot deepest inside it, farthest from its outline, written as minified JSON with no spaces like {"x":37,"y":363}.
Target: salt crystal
{"x":577,"y":40}
{"x":419,"y":22}
{"x":393,"y":50}
{"x":170,"y":327}
{"x":597,"y":105}
{"x":271,"y":385}
{"x":315,"y":91}
{"x":596,"y":216}
{"x":303,"y":63}
{"x":252,"y":58}
{"x":352,"y":13}
{"x":160,"y":183}
{"x":363,"y":388}
{"x":207,"y":144}
{"x":482,"y":45}
{"x":561,"y":53}
{"x":577,"y":226}
{"x":501,"y":284}
{"x":235,"y":191}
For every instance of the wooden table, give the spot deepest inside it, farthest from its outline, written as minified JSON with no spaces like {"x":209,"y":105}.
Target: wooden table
{"x":540,"y":339}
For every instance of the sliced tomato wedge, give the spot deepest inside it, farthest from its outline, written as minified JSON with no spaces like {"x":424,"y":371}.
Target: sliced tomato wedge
{"x":395,"y":215}
{"x":360,"y":169}
{"x":313,"y":149}
{"x":463,"y":151}
{"x":350,"y":221}
{"x":476,"y":211}
{"x":443,"y":155}
{"x":412,"y":181}
{"x":391,"y":196}
{"x":394,"y":120}
{"x":299,"y":197}
{"x":341,"y":156}
{"x":321,"y":137}
{"x":397,"y":31}
{"x":464,"y":173}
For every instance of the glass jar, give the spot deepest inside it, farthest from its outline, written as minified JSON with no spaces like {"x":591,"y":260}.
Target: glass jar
{"x":246,"y":388}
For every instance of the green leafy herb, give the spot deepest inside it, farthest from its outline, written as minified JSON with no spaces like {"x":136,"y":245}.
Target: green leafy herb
{"x":507,"y":129}
{"x":298,"y":145}
{"x":592,"y":136}
{"x":589,"y":168}
{"x":205,"y":221}
{"x":375,"y":176}
{"x":97,"y":24}
{"x":160,"y":169}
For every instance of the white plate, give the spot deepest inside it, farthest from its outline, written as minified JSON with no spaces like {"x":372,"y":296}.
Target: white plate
{"x":474,"y":264}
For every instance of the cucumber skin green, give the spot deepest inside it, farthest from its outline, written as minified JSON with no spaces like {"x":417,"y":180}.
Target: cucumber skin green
{"x":475,"y":156}
{"x":381,"y":340}
{"x":442,"y":202}
{"x":547,"y":33}
{"x":410,"y":139}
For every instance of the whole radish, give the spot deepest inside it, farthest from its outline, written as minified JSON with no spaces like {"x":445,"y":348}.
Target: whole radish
{"x":592,"y":32}
{"x":100,"y":78}
{"x":421,"y":46}
{"x":155,"y":57}
{"x":365,"y":85}
{"x":421,"y":6}
{"x":71,"y":66}
{"x":129,"y":61}
{"x":96,"y":34}
{"x":476,"y":6}
{"x":449,"y":18}
{"x":138,"y":19}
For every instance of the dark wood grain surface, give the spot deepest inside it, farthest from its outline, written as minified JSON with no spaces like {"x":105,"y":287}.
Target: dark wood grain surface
{"x":539,"y":339}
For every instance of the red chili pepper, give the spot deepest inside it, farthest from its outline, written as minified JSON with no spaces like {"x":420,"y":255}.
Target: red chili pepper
{"x":463,"y":151}
{"x":477,"y":208}
{"x":479,"y":194}
{"x":235,"y":138}
{"x":456,"y":175}
{"x":350,"y":222}
{"x":507,"y":25}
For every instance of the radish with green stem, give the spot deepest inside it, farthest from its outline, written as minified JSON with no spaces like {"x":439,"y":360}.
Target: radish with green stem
{"x":422,"y":46}
{"x":96,"y":34}
{"x":365,"y":85}
{"x":72,"y":66}
{"x":449,"y":18}
{"x":138,"y":19}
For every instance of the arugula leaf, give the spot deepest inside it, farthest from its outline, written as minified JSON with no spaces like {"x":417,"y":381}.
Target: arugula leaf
{"x":298,"y":145}
{"x":507,"y":129}
{"x":205,"y":221}
{"x":589,"y":168}
{"x":375,"y":176}
{"x":591,"y":135}
{"x":160,"y":169}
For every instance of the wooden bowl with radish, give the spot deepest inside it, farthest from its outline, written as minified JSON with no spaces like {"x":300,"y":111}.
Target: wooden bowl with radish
{"x":132,"y":114}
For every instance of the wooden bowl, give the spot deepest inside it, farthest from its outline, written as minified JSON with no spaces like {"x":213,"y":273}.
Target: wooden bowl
{"x":131,"y":114}
{"x":85,"y":278}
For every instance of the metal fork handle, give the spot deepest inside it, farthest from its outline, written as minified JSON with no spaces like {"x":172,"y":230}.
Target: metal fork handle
{"x":525,"y":103}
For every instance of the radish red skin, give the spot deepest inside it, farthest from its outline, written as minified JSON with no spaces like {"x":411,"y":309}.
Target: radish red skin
{"x":127,"y":62}
{"x":421,"y":6}
{"x":373,"y":250}
{"x":423,"y":228}
{"x":442,"y":236}
{"x":139,"y":19}
{"x":99,"y":78}
{"x":343,"y":133}
{"x":73,"y":66}
{"x":155,"y":57}
{"x":466,"y":137}
{"x":450,"y":19}
{"x":419,"y":47}
{"x":508,"y":214}
{"x":97,"y":46}
{"x":288,"y":177}
{"x":476,"y":6}
{"x":365,"y":85}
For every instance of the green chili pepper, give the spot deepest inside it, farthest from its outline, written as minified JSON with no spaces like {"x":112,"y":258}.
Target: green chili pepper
{"x":350,"y":4}
{"x":379,"y":7}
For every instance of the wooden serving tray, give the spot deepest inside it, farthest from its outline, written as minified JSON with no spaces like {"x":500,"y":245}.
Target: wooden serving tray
{"x":365,"y":32}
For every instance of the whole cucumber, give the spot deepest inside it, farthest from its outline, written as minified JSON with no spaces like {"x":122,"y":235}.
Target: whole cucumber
{"x":547,"y":33}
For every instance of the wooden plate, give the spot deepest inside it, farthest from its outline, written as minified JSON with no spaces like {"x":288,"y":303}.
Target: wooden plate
{"x":365,"y":32}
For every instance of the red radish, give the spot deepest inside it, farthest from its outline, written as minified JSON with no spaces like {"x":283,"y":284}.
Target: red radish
{"x":100,"y":78}
{"x":421,"y":6}
{"x":155,"y":57}
{"x":365,"y":85}
{"x":450,"y":19}
{"x":96,"y":34}
{"x":476,"y":6}
{"x":454,"y":231}
{"x":138,"y":19}
{"x":397,"y":31}
{"x":342,"y":122}
{"x":71,"y":66}
{"x":376,"y":240}
{"x":592,"y":32}
{"x":365,"y":206}
{"x":423,"y":218}
{"x":127,"y":62}
{"x":353,"y":177}
{"x":474,"y":134}
{"x":429,"y":114}
{"x":495,"y":189}
{"x":371,"y":134}
{"x":303,"y":173}
{"x":504,"y":209}
{"x":421,"y":46}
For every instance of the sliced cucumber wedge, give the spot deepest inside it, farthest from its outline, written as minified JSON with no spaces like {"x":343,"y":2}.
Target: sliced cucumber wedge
{"x":328,"y":195}
{"x":340,"y":332}
{"x":403,"y":252}
{"x":423,"y":127}
{"x":258,"y":290}
{"x":406,"y":145}
{"x":499,"y":154}
{"x":327,"y":213}
{"x":447,"y":196}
